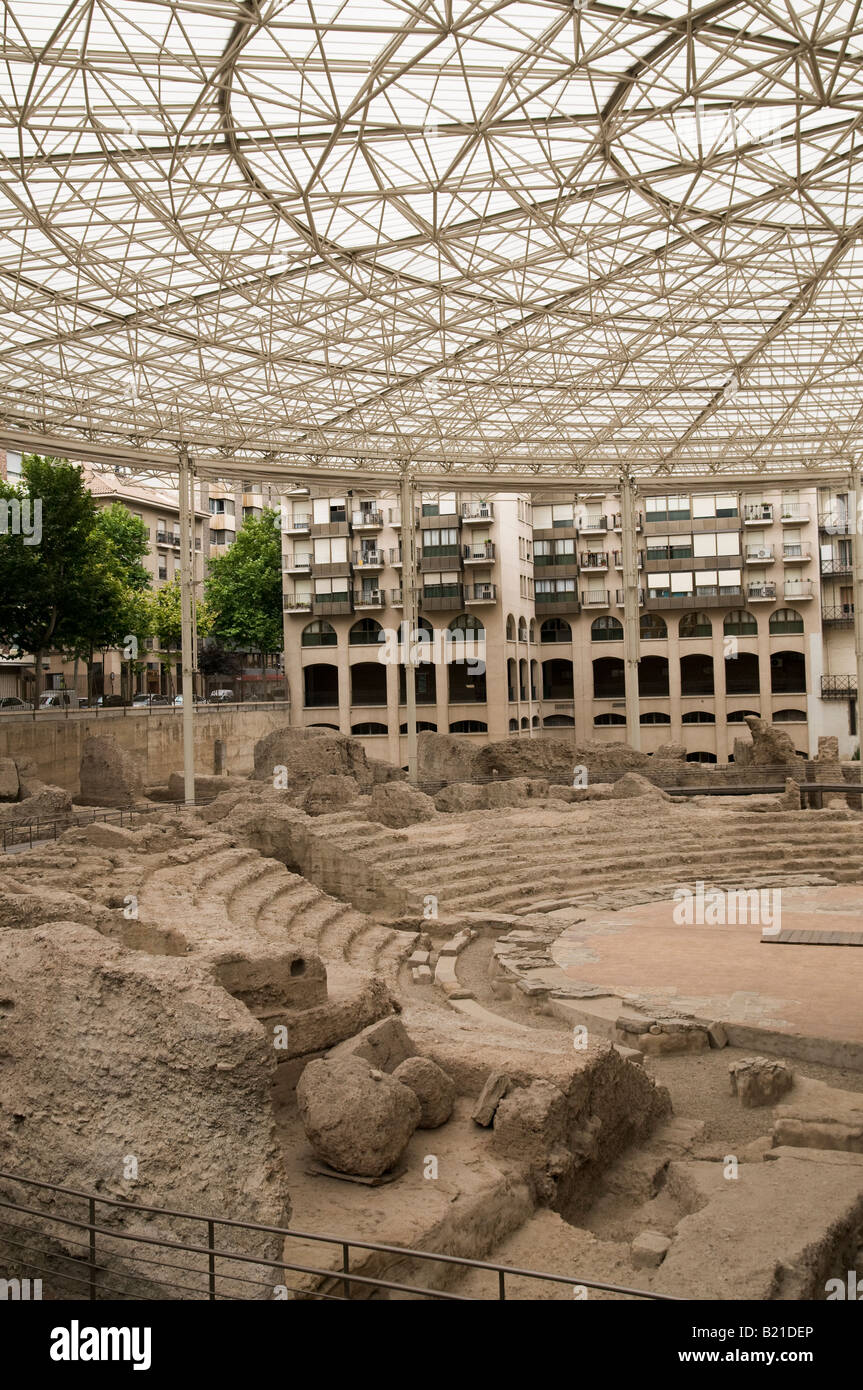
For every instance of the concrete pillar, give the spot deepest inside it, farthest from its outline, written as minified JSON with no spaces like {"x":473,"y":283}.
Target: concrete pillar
{"x":631,"y":616}
{"x":187,"y":598}
{"x":411,"y":613}
{"x":855,"y":507}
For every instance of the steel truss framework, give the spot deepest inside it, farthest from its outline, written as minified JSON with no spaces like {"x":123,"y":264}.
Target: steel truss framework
{"x":501,"y":239}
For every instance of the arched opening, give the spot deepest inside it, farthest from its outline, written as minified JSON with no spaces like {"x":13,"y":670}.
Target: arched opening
{"x":425,"y":684}
{"x":423,"y":726}
{"x":368,"y":683}
{"x":369,"y":728}
{"x":321,"y":685}
{"x":522,"y":679}
{"x":789,"y":716}
{"x":602,"y":720}
{"x":513,"y":726}
{"x":532,"y":632}
{"x":785,"y":620}
{"x":318,"y":634}
{"x":608,"y":678}
{"x":654,"y":716}
{"x":653,"y":676}
{"x":468,"y":726}
{"x":557,"y":679}
{"x":701,"y":758}
{"x":739,"y":623}
{"x":696,"y":674}
{"x":695,"y":625}
{"x":511,"y":677}
{"x":466,"y":683}
{"x":510,"y":628}
{"x":555,"y":630}
{"x":525,"y":723}
{"x":365,"y":633}
{"x":737,"y":716}
{"x":652,"y":628}
{"x":468,"y":623}
{"x":522,"y":630}
{"x":534,"y":679}
{"x":698,"y":716}
{"x":558,"y":721}
{"x":788,"y":673}
{"x":742,"y":676}
{"x":606,"y":630}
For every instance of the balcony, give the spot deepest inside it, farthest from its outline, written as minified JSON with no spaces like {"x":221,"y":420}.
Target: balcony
{"x":168,"y":538}
{"x":759,"y":555}
{"x":618,"y":559}
{"x":396,"y":598}
{"x":298,"y":603}
{"x":706,"y":596}
{"x":798,"y":590}
{"x":837,"y":566}
{"x":617,"y":521}
{"x":557,"y":601}
{"x":300,"y":523}
{"x":758,"y":514}
{"x":595,"y":598}
{"x":594,"y":524}
{"x":841,"y":615}
{"x":620,"y":598}
{"x":371,"y":520}
{"x":440,"y":598}
{"x":331,"y":605}
{"x":838,"y":687}
{"x":480,"y":593}
{"x":473,"y":512}
{"x":796,"y":554}
{"x":834,"y":523}
{"x":369,"y":559}
{"x":475,"y":553}
{"x":298,"y":564}
{"x":368,"y":598}
{"x":793,"y":513}
{"x":594,"y":560}
{"x":761,"y":593}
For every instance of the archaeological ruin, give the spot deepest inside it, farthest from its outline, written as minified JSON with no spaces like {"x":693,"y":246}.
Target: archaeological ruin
{"x":570,"y":1010}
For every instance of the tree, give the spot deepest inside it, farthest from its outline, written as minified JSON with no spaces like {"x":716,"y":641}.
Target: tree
{"x":244,"y":588}
{"x":166,"y":620}
{"x":41,"y":578}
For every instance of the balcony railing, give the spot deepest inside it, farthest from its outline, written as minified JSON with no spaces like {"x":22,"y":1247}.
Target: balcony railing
{"x":796,"y":554}
{"x":757,"y":513}
{"x":594,"y":521}
{"x":618,"y":559}
{"x":793,"y":512}
{"x":299,"y":562}
{"x":840,"y":615}
{"x":483,"y":551}
{"x":168,"y":538}
{"x":480,"y":593}
{"x":300,"y":523}
{"x":620,"y":597}
{"x":800,"y":589}
{"x":617,"y":521}
{"x":759,"y":554}
{"x":367,"y":518}
{"x":761,"y":593}
{"x":368,"y":559}
{"x":545,"y":597}
{"x":837,"y":566}
{"x":477,"y":511}
{"x":595,"y":598}
{"x":298,"y":603}
{"x":368,"y":598}
{"x":594,"y":561}
{"x":834,"y":523}
{"x":838,"y":687}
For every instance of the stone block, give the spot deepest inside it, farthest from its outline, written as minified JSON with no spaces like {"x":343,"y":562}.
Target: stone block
{"x":649,"y":1249}
{"x":760,"y":1080}
{"x":492,"y":1093}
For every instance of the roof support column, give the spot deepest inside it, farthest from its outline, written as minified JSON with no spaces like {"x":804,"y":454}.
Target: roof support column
{"x":855,"y":521}
{"x":187,"y":598}
{"x":631,"y":617}
{"x":410,"y":625}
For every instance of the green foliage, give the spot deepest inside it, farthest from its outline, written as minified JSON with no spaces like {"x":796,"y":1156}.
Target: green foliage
{"x":166,"y":621}
{"x":244,"y":588}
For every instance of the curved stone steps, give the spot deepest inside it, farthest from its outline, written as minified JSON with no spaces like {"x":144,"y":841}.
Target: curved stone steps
{"x":216,"y":875}
{"x":278,"y":914}
{"x":248,"y":898}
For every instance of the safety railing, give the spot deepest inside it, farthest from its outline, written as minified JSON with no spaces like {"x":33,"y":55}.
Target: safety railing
{"x":101,"y":1261}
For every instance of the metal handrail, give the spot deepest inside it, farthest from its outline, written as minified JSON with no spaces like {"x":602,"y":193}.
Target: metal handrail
{"x":346,"y":1276}
{"x":121,"y":711}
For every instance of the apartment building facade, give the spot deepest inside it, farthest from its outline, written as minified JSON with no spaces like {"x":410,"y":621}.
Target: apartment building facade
{"x":741,"y":604}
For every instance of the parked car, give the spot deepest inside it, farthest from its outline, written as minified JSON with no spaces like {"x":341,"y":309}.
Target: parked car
{"x":144,"y":699}
{"x":13,"y":702}
{"x":55,"y":699}
{"x":111,"y":701}
{"x":219,"y":697}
